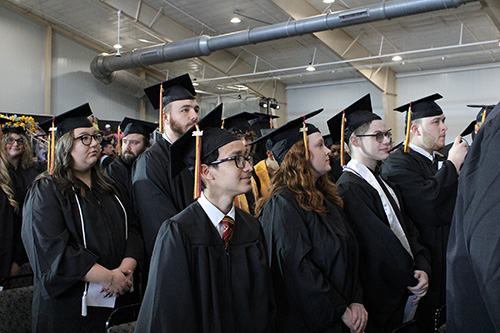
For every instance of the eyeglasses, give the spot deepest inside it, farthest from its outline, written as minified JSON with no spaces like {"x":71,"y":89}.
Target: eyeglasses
{"x":19,"y":141}
{"x":239,"y":160}
{"x":87,"y":138}
{"x":379,"y":137}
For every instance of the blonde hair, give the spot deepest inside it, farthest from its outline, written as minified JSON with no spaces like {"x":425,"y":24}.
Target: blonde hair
{"x":6,"y":182}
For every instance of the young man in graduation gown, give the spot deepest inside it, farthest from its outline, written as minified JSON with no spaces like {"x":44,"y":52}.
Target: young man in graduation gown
{"x":135,"y":141}
{"x":209,"y":269}
{"x":157,"y":196}
{"x":429,"y":187}
{"x":393,"y":265}
{"x":473,"y":262}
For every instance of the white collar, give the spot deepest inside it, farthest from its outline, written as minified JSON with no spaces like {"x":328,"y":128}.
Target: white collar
{"x":422,"y":151}
{"x":214,"y":214}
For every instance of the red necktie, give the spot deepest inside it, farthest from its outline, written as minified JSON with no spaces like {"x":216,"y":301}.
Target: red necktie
{"x":228,"y":229}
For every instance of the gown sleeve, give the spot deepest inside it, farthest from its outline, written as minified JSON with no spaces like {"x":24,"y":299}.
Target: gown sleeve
{"x":58,"y":260}
{"x":168,"y":304}
{"x":284,"y":224}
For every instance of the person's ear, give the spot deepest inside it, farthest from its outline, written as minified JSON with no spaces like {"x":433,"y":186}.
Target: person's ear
{"x":354,"y":141}
{"x":206,"y":172}
{"x":415,"y":129}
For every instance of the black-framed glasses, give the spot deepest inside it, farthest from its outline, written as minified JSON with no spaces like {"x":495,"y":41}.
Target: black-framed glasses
{"x":379,"y":136}
{"x":87,"y":138}
{"x":239,"y":160}
{"x":19,"y":141}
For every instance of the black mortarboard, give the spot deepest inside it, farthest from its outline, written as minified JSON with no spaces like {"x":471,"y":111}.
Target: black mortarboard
{"x":423,"y":108}
{"x":469,"y":129}
{"x":18,"y":124}
{"x":483,"y":113}
{"x":284,"y":137}
{"x":3,"y":120}
{"x":356,"y":114}
{"x":135,"y":126}
{"x":239,"y":122}
{"x":183,"y":150}
{"x":178,"y":88}
{"x":69,"y":120}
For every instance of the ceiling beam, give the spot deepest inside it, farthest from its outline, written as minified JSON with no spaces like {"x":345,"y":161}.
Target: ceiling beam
{"x":345,"y":47}
{"x":492,"y":8}
{"x":171,"y":30}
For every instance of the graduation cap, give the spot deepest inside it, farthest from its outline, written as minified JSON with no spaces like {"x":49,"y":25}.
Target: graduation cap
{"x":469,"y":129}
{"x":198,"y":142}
{"x":135,"y":126}
{"x":239,"y":122}
{"x":263,"y":118}
{"x":344,"y":123}
{"x":420,"y":108}
{"x":69,"y":120}
{"x":284,"y":137}
{"x":178,"y":88}
{"x":481,"y":115}
{"x":18,"y":124}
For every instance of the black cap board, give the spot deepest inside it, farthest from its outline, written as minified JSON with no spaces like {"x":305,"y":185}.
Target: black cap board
{"x":483,"y":112}
{"x":3,"y":120}
{"x":328,"y":140}
{"x":69,"y":120}
{"x":469,"y":129}
{"x":423,"y":107}
{"x":135,"y":126}
{"x":284,"y":137}
{"x":356,"y":114}
{"x":183,"y":150}
{"x":239,"y":122}
{"x":178,"y":88}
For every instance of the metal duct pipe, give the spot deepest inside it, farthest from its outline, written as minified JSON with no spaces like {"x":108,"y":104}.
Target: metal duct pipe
{"x":103,"y":66}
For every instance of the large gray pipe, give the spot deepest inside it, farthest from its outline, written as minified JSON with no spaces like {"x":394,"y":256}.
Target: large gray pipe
{"x":103,"y":66}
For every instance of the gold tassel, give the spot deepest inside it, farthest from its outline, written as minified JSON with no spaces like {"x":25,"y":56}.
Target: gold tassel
{"x":408,"y":125}
{"x":304,"y":134}
{"x":197,"y":167}
{"x":119,"y":144}
{"x":160,"y":123}
{"x":342,"y":139}
{"x":51,"y":148}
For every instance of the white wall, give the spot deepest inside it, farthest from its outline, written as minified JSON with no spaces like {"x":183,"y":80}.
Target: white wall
{"x":458,"y":86}
{"x":22,"y":60}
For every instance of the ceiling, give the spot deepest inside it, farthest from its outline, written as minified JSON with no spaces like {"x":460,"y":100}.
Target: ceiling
{"x":438,"y":40}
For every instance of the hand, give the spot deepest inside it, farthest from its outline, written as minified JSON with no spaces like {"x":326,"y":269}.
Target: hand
{"x":119,"y":283}
{"x":359,"y":317}
{"x":15,"y":269}
{"x":458,"y":152}
{"x":422,"y":286}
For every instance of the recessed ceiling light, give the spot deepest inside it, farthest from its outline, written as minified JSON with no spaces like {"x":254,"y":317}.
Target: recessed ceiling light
{"x":310,"y":68}
{"x":195,"y":84}
{"x":117,"y":46}
{"x":328,"y":1}
{"x":397,"y":58}
{"x":235,"y":20}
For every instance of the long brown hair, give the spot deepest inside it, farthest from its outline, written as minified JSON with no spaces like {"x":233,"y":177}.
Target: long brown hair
{"x":295,"y":174}
{"x":6,"y":182}
{"x":63,"y":169}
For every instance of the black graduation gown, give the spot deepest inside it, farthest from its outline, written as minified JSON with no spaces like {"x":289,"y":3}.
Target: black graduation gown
{"x":429,"y":199}
{"x":314,"y":264}
{"x":52,"y":235}
{"x":157,"y":197}
{"x":386,"y":268}
{"x":195,"y":285}
{"x":121,"y":173}
{"x":473,"y":273}
{"x":9,"y":238}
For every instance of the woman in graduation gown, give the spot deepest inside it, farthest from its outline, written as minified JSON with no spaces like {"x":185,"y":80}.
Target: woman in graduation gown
{"x":77,"y":236}
{"x":10,"y":226}
{"x":312,"y":252}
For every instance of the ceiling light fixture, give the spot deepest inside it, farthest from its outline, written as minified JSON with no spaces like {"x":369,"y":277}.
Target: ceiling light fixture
{"x":328,"y":1}
{"x":195,"y":84}
{"x":311,"y":68}
{"x":235,"y":20}
{"x":118,"y":46}
{"x":397,"y":58}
